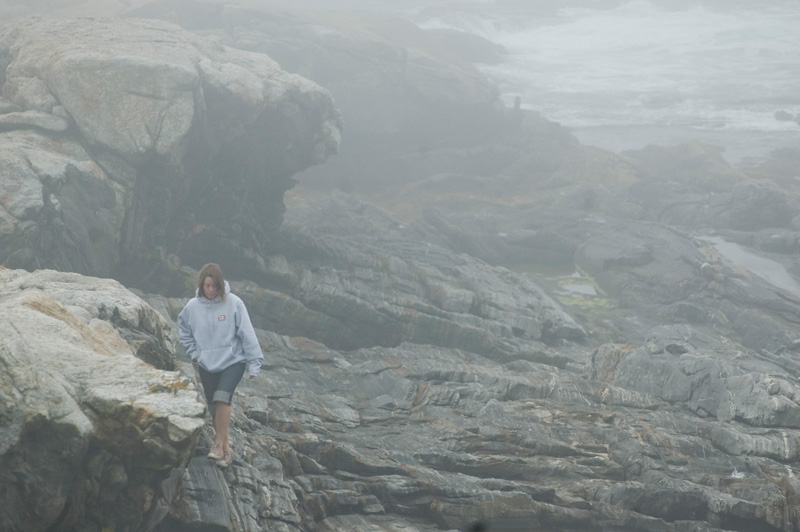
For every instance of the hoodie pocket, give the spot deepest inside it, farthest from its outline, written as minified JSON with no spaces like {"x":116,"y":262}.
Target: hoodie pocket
{"x":215,"y":359}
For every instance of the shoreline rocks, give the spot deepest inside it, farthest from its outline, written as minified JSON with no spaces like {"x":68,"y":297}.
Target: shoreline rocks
{"x":86,"y":425}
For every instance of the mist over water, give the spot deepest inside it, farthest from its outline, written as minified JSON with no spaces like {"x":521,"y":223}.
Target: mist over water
{"x":642,"y":72}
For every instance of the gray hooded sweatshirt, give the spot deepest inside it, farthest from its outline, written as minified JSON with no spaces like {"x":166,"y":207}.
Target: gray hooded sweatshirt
{"x":218,"y":333}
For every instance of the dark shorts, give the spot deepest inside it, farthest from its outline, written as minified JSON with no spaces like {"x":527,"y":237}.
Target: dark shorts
{"x":219,"y":387}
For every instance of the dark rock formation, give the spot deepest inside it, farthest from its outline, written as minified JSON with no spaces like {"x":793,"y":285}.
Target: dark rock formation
{"x":138,"y":145}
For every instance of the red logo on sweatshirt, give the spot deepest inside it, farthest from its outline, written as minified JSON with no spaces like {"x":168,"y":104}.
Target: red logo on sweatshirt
{"x":221,"y":317}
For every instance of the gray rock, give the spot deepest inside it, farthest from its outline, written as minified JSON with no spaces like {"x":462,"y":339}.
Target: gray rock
{"x":7,"y":107}
{"x":690,"y":185}
{"x":33,"y":119}
{"x":164,"y":116}
{"x":85,"y":425}
{"x":437,"y":297}
{"x":60,"y":208}
{"x":461,"y":438}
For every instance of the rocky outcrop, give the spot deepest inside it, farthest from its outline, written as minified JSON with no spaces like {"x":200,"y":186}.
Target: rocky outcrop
{"x":96,"y":422}
{"x":669,"y":234}
{"x":679,"y":427}
{"x":129,"y":150}
{"x":682,"y":432}
{"x":356,"y":276}
{"x":512,"y":330}
{"x":690,"y":185}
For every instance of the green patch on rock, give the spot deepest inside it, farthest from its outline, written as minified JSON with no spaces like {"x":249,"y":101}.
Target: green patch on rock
{"x":568,"y":284}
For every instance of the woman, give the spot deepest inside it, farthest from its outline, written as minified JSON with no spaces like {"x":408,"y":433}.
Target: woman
{"x":216,"y":331}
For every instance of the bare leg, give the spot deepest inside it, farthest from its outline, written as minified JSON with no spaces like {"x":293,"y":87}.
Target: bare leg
{"x":222,"y":420}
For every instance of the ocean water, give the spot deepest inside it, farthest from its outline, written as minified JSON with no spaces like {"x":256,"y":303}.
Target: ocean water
{"x":625,"y":74}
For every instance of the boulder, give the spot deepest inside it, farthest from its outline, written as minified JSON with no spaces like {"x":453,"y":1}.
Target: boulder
{"x":91,"y":435}
{"x":388,"y":76}
{"x":171,"y":132}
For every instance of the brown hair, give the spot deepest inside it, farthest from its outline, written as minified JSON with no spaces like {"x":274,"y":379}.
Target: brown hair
{"x":211,"y":270}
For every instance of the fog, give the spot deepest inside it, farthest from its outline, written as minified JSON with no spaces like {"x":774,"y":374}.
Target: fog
{"x":619,"y":74}
{"x":624,"y":74}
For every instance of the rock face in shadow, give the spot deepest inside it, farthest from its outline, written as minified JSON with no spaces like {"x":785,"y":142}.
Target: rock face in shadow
{"x":136,"y":145}
{"x":93,"y":435}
